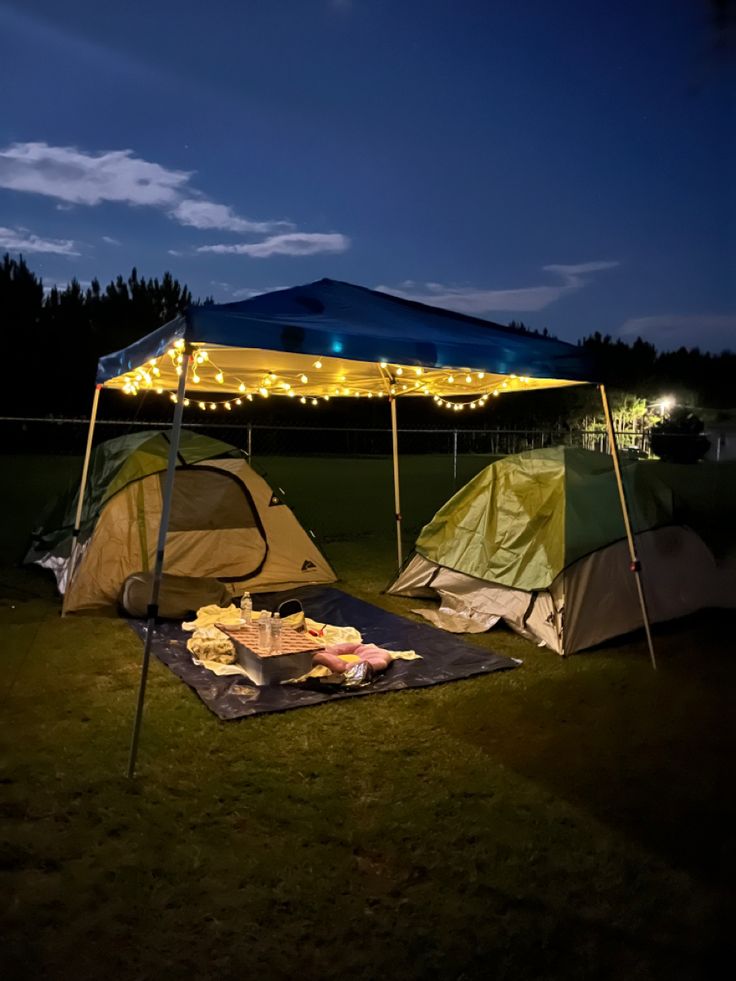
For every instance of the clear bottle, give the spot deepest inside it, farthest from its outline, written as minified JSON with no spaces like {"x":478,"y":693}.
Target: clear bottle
{"x":264,"y":632}
{"x":246,"y":608}
{"x":276,"y":633}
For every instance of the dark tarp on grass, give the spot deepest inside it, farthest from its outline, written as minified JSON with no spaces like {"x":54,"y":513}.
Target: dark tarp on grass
{"x":444,"y":658}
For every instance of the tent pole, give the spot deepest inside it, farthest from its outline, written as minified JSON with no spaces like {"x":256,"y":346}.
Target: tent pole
{"x":83,"y":484}
{"x":635,"y":563}
{"x":159,"y":566}
{"x":397,"y":495}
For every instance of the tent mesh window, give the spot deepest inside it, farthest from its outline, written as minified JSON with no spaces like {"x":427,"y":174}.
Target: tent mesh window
{"x":204,"y":499}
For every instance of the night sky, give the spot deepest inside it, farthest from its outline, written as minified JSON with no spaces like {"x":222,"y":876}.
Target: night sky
{"x":567,"y":164}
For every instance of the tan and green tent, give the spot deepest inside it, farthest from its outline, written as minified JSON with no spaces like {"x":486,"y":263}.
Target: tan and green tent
{"x":225,"y":524}
{"x":537,"y":539}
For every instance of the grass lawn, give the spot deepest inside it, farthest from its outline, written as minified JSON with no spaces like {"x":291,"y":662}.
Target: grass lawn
{"x":571,"y":819}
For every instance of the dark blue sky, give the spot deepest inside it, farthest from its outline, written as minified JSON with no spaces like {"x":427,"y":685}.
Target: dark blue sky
{"x":566,"y":164}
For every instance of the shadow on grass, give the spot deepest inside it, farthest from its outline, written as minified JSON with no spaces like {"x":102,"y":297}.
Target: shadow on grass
{"x":647,"y":753}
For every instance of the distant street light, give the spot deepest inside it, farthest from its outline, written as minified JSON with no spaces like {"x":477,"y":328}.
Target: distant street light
{"x":665,"y":404}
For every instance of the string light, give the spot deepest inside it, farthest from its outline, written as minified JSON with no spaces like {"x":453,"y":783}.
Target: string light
{"x":148,"y":377}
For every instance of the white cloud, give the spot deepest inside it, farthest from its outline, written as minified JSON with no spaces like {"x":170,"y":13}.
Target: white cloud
{"x":21,"y":240}
{"x":199,"y":213}
{"x":713,"y":332}
{"x":65,"y":284}
{"x":75,"y":177}
{"x":474,"y":300}
{"x":292,"y":243}
{"x":247,"y":292}
{"x":576,"y":272}
{"x":110,"y":240}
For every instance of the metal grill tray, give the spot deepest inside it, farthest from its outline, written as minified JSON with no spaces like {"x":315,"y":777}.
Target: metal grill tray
{"x":265,"y":668}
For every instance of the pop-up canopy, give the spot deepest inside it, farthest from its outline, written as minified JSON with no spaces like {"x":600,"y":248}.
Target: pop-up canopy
{"x":325,"y":340}
{"x":329,"y":339}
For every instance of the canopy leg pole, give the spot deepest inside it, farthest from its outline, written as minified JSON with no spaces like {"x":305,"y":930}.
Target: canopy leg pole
{"x":83,"y":485}
{"x":635,"y":563}
{"x":174,"y":439}
{"x":397,"y":493}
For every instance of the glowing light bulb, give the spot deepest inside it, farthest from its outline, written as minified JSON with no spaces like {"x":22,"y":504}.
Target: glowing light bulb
{"x":171,"y":352}
{"x":213,"y":406}
{"x":472,"y":405}
{"x":314,"y":401}
{"x":200,"y":359}
{"x":238,"y":401}
{"x":249,"y":397}
{"x":303,"y":379}
{"x":157,"y":372}
{"x":303,"y":400}
{"x":195,"y":378}
{"x":263,"y":392}
{"x":399,"y":371}
{"x":173,"y":398}
{"x":152,"y":362}
{"x":228,"y":406}
{"x":450,"y":379}
{"x":178,"y":369}
{"x":186,"y":401}
{"x":159,"y":390}
{"x":219,"y":377}
{"x":481,"y":374}
{"x":291,"y":393}
{"x":384,"y":364}
{"x":204,"y":355}
{"x":241,"y":387}
{"x":327,"y":398}
{"x":202,"y":405}
{"x":317,"y":365}
{"x":179,"y":343}
{"x":417,"y":371}
{"x":468,"y":379}
{"x":495,"y":393}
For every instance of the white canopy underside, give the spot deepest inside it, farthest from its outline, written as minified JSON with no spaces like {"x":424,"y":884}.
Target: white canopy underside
{"x":237,"y":372}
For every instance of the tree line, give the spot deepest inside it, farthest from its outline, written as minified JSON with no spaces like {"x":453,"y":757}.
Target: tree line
{"x":53,"y":338}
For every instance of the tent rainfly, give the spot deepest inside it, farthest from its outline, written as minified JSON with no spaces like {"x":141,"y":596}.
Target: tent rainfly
{"x":536,"y":539}
{"x":326,"y":340}
{"x":226,"y":524}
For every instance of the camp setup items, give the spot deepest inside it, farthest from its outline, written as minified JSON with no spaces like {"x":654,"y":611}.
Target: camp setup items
{"x":443,"y":657}
{"x":538,"y":540}
{"x":324,"y":340}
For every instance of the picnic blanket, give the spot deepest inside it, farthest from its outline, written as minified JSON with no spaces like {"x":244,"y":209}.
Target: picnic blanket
{"x":443,"y":658}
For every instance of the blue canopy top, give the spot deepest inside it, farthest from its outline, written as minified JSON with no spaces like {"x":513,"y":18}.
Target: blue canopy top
{"x":340,"y":320}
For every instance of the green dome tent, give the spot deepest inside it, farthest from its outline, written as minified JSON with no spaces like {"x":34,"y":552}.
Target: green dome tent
{"x":225,"y":524}
{"x":538,"y":540}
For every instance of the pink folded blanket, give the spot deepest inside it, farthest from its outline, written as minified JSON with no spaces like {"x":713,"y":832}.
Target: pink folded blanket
{"x":378,"y":658}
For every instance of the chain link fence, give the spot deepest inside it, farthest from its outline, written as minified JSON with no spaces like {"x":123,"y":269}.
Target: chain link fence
{"x":67,"y":437}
